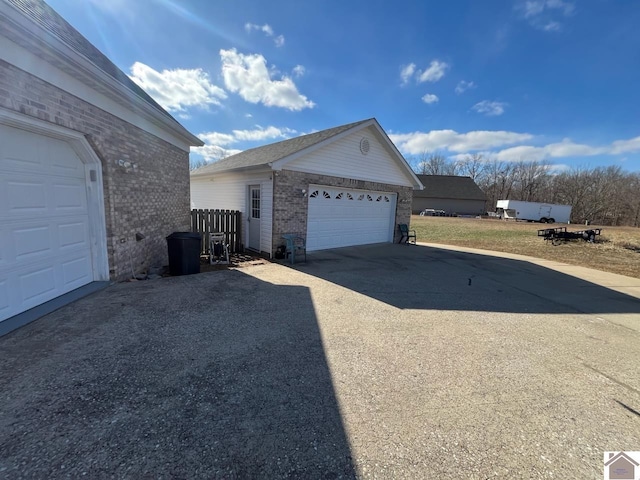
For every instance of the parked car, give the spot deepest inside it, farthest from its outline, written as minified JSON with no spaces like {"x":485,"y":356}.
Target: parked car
{"x":431,"y":212}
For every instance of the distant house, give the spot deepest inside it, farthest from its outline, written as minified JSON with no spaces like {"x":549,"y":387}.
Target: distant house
{"x":93,"y":172}
{"x":450,"y":193}
{"x":339,"y":187}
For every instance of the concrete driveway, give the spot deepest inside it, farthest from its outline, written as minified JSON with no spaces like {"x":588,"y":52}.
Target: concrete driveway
{"x":385,"y":361}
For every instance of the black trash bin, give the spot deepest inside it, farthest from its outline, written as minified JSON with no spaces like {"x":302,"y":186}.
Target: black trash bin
{"x":184,"y":253}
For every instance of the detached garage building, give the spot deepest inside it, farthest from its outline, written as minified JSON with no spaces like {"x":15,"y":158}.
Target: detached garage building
{"x":93,"y":173}
{"x":453,"y":194}
{"x":339,"y":187}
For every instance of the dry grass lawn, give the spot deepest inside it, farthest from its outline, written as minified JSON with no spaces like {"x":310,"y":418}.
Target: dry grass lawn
{"x":617,"y":250}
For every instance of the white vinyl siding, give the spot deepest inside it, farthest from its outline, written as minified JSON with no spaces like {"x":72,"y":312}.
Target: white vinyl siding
{"x":230,"y":191}
{"x":344,"y":159}
{"x":344,"y":217}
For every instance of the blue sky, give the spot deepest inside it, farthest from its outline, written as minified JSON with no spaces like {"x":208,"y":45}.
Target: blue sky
{"x":554,"y":80}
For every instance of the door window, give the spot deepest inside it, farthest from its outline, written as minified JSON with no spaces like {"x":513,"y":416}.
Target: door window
{"x":255,"y":203}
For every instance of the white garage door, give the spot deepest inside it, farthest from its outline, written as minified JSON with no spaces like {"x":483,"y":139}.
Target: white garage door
{"x":342,"y":217}
{"x":45,"y":248}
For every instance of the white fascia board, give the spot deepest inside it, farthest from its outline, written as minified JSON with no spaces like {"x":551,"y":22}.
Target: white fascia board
{"x":252,"y":169}
{"x":68,"y":66}
{"x":279,"y":164}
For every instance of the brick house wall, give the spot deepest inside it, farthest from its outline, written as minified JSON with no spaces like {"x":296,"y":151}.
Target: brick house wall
{"x":150,"y":197}
{"x":290,"y":206}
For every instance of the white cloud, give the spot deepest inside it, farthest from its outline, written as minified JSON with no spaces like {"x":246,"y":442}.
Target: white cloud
{"x":543,"y":14}
{"x":178,"y":89}
{"x":262,"y":134}
{"x":407,"y":72}
{"x":249,"y":76}
{"x":489,"y":108}
{"x":212,"y":153}
{"x":559,"y":168}
{"x":267,"y":30}
{"x":217,"y":143}
{"x":298,"y":71}
{"x":255,"y":135}
{"x":533,"y":8}
{"x":552,"y":26}
{"x":504,"y":146}
{"x":567,"y":148}
{"x":430,"y":98}
{"x":417,"y":142}
{"x":567,"y":8}
{"x":217,"y":138}
{"x":463,"y":86}
{"x":434,"y":73}
{"x":521,"y":152}
{"x":626,"y":146}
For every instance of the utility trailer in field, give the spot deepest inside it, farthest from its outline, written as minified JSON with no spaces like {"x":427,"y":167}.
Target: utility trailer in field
{"x":533,"y":211}
{"x":559,"y":235}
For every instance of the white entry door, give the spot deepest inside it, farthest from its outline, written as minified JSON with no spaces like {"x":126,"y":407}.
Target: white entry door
{"x":45,"y":238}
{"x":254,"y":217}
{"x":342,"y":217}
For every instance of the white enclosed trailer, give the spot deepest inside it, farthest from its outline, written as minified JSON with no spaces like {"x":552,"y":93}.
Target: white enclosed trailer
{"x":533,"y":211}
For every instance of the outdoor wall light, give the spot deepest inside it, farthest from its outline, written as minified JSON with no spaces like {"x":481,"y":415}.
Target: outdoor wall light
{"x":126,"y":165}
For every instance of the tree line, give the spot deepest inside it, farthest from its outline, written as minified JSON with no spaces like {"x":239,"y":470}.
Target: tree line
{"x":599,"y":195}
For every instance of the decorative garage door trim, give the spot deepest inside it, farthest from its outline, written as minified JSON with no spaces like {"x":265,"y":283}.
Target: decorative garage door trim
{"x":341,"y":217}
{"x":52,"y":233}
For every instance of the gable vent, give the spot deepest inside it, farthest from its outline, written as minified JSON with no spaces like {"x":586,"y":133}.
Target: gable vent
{"x":364,"y":146}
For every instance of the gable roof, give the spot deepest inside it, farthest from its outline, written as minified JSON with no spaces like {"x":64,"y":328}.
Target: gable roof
{"x":449,"y":186}
{"x":277,"y":155}
{"x":620,"y":455}
{"x":267,"y":154}
{"x":47,"y":20}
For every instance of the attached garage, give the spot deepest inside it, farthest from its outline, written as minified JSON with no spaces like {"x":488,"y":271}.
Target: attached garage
{"x":50,"y":218}
{"x":339,"y":187}
{"x":83,"y":151}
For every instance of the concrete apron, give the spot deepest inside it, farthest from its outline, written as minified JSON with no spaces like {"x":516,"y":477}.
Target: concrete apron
{"x":387,"y":361}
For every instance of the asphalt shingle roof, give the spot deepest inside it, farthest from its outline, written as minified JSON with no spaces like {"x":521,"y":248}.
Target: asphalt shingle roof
{"x":449,"y":186}
{"x":274,"y":151}
{"x":47,"y":18}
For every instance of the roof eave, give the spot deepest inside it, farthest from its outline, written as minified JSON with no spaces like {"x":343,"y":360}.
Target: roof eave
{"x":262,"y":166}
{"x":43,"y":42}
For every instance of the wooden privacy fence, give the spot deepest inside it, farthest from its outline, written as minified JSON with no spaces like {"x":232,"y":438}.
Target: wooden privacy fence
{"x":218,"y":221}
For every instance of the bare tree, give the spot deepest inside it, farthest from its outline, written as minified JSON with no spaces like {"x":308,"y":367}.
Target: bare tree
{"x":431,"y":163}
{"x":196,"y":163}
{"x":603,"y":195}
{"x":451,"y":167}
{"x":529,"y":177}
{"x":497,"y":183}
{"x":473,"y":165}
